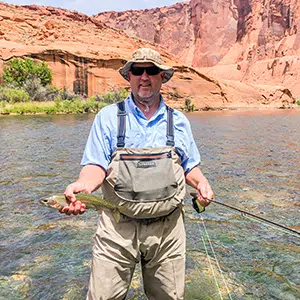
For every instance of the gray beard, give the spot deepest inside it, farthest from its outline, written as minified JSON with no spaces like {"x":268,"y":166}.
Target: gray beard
{"x":146,"y":101}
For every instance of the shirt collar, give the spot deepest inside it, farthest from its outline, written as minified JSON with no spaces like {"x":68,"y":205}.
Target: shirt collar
{"x":136,"y":111}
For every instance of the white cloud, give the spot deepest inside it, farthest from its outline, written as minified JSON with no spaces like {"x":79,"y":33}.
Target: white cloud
{"x":92,"y":7}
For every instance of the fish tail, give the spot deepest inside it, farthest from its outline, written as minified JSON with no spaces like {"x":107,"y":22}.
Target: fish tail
{"x":116,"y":215}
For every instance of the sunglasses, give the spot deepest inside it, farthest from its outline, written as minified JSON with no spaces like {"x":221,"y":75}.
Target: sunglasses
{"x":139,"y":71}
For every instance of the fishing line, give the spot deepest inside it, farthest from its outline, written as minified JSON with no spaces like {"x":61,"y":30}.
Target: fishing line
{"x":216,"y":260}
{"x":211,"y":267}
{"x":244,"y":213}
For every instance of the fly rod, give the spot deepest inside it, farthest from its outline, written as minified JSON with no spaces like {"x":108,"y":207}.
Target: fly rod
{"x":200,"y":209}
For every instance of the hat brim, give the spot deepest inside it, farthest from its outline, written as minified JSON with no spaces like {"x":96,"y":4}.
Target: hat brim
{"x":126,"y":68}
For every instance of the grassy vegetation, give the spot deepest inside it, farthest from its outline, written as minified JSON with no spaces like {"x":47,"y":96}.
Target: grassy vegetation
{"x":33,"y":98}
{"x":51,"y":107}
{"x":26,"y":89}
{"x":18,"y":102}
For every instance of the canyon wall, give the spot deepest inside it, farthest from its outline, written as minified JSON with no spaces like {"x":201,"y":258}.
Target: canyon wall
{"x":85,"y":54}
{"x":253,"y":41}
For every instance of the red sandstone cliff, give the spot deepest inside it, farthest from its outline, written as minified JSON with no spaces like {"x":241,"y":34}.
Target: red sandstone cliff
{"x":85,"y":54}
{"x":254,"y":41}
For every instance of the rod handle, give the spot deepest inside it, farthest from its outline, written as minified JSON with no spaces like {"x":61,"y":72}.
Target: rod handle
{"x":196,"y":205}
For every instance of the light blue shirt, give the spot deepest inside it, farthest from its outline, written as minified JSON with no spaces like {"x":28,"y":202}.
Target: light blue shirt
{"x":140,"y":133}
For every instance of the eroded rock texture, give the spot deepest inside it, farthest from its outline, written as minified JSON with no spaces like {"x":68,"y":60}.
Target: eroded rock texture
{"x":85,"y":53}
{"x":254,"y":41}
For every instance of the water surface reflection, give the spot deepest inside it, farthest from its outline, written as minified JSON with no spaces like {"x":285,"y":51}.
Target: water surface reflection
{"x":250,"y":157}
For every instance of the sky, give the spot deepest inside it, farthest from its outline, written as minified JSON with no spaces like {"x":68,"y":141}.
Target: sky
{"x":92,"y":7}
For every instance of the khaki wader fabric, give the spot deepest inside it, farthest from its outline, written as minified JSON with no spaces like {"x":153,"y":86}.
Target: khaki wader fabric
{"x":118,"y":247}
{"x":145,"y":188}
{"x":145,"y":184}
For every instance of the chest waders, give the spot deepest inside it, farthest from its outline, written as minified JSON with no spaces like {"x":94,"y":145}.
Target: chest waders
{"x":144,"y":183}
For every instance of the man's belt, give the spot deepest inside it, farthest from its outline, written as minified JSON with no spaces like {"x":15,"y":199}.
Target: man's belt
{"x":147,"y":221}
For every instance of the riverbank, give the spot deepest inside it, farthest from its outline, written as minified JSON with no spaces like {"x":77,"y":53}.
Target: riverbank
{"x":76,"y":106}
{"x":79,"y":106}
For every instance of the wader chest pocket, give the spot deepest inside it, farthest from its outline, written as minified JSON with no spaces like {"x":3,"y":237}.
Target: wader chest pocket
{"x":146,"y":177}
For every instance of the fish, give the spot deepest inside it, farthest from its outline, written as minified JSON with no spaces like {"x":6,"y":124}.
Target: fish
{"x":58,"y":201}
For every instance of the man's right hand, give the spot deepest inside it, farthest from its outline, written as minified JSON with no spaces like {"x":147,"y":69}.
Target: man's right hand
{"x":75,"y":207}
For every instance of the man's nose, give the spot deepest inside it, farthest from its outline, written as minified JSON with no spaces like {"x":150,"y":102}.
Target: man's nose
{"x":145,"y":75}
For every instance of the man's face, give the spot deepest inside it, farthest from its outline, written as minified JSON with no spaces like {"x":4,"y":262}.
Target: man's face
{"x":145,"y":86}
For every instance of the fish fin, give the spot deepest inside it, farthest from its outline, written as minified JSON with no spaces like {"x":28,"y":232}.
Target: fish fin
{"x":116,"y":215}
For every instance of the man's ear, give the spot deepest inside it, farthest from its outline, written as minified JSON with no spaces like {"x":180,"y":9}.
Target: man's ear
{"x":162,"y":74}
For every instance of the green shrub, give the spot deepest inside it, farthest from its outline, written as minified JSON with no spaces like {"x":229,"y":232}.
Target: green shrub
{"x":78,"y":105}
{"x":65,"y":94}
{"x":34,"y":88}
{"x":11,"y":95}
{"x":3,"y":104}
{"x":19,"y":70}
{"x":38,"y":92}
{"x":188,"y":106}
{"x":52,"y":92}
{"x":111,"y":97}
{"x":93,"y":106}
{"x":43,"y":72}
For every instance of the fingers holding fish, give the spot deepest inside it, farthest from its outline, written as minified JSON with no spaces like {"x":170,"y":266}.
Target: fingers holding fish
{"x":75,"y":207}
{"x":73,"y":189}
{"x":83,"y":201}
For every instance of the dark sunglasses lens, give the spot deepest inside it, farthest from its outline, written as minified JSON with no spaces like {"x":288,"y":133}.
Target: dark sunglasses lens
{"x":138,"y":71}
{"x":152,"y":70}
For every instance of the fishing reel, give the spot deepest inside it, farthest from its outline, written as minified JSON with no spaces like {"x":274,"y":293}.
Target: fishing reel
{"x":196,"y":205}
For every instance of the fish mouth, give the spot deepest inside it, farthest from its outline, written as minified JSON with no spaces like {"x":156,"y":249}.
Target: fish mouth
{"x":44,"y":200}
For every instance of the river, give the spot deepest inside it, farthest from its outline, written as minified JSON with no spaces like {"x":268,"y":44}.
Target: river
{"x":252,"y":160}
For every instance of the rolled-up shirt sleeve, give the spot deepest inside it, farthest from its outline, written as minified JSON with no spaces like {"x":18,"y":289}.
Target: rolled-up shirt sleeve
{"x":98,"y":147}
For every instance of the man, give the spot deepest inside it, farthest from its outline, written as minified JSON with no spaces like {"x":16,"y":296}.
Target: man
{"x":141,"y":153}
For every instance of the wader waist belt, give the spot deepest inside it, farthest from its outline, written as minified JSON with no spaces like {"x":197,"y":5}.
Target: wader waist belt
{"x":147,"y":221}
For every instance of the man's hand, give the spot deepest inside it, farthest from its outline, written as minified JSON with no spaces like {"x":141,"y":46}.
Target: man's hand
{"x":90,"y":178}
{"x":75,"y":207}
{"x":197,"y":180}
{"x":205,"y":193}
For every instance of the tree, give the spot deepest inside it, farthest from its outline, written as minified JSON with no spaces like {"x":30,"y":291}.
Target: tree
{"x":19,"y":70}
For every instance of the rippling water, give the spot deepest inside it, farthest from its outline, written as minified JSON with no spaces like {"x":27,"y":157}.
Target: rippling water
{"x":252,"y":159}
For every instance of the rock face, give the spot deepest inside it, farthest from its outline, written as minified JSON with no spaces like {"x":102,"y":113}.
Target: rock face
{"x":254,"y":41}
{"x":85,"y":54}
{"x":169,"y":26}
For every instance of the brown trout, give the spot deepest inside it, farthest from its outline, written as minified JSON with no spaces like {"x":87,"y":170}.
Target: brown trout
{"x":59,"y":201}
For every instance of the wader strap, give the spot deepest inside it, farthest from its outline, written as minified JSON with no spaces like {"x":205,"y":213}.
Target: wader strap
{"x":121,"y":124}
{"x":170,"y":127}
